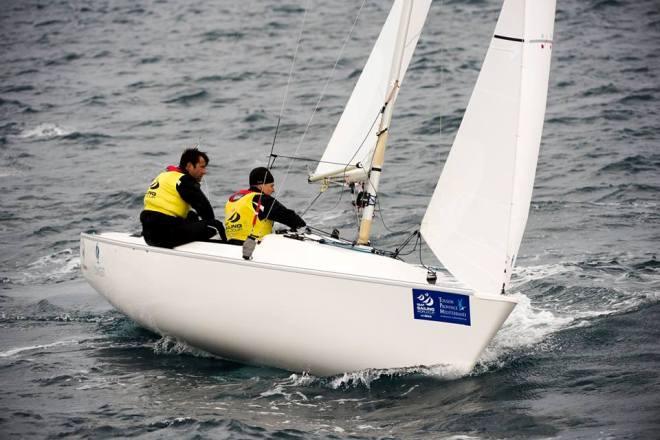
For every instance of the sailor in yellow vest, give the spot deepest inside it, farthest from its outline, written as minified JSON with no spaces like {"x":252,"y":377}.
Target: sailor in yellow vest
{"x":167,"y":219}
{"x":252,"y":211}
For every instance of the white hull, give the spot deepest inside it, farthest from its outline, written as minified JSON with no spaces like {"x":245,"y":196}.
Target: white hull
{"x":297,"y":305}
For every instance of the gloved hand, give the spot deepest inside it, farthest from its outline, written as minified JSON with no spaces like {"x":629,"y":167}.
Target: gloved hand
{"x":219,"y":227}
{"x":192,"y":216}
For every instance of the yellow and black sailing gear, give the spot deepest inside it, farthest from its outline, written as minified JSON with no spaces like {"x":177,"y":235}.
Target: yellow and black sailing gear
{"x":241,"y":219}
{"x":162,"y":195}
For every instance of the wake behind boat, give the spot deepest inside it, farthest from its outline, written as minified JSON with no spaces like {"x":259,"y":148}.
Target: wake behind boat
{"x":332,"y":306}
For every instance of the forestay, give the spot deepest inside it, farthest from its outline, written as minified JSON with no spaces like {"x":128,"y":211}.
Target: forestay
{"x":478,"y":211}
{"x":354,"y":138}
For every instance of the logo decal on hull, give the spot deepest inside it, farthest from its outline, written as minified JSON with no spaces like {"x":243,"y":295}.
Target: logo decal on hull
{"x":432,"y":305}
{"x":98,"y":267}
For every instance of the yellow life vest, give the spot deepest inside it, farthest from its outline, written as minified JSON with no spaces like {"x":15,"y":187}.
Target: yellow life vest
{"x":241,"y":218}
{"x":162,"y":196}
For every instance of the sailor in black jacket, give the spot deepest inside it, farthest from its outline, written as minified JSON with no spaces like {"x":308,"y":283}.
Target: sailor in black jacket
{"x":167,"y":219}
{"x":253,"y":211}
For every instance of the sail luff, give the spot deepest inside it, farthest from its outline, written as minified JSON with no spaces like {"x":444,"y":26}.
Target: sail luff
{"x":477,"y":214}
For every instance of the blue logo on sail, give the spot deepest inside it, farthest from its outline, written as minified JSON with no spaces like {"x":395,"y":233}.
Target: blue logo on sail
{"x":432,"y":305}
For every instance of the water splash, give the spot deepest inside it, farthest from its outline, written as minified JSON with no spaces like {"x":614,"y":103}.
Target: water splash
{"x":168,"y":345}
{"x":526,"y":328}
{"x":556,"y":297}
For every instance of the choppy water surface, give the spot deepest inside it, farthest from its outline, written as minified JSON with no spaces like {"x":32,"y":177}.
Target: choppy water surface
{"x":97,"y":96}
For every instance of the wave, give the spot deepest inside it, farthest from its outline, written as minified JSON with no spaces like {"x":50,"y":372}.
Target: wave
{"x":571,"y":295}
{"x":64,"y":59}
{"x":601,"y":90}
{"x":289,"y":387}
{"x":624,"y":193}
{"x":19,"y":350}
{"x":167,"y":345}
{"x":150,"y":60}
{"x":14,"y":103}
{"x":53,"y":268}
{"x":187,"y":97}
{"x":45,"y":131}
{"x":138,"y":85}
{"x":122,"y":199}
{"x":16,"y":89}
{"x":96,"y":100}
{"x":91,"y":138}
{"x":218,"y":34}
{"x":288,"y":9}
{"x":634,"y":164}
{"x":44,"y":311}
{"x":603,"y":4}
{"x":639,"y":96}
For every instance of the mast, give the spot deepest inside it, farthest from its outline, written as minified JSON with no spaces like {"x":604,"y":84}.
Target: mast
{"x":383,"y":129}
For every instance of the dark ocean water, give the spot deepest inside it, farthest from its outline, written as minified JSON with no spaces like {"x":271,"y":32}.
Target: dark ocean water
{"x":97,"y":96}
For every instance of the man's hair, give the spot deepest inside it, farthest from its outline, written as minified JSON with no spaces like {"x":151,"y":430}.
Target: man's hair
{"x":192,"y":155}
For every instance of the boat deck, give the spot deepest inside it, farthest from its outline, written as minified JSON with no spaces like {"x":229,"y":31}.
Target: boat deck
{"x":281,"y":252}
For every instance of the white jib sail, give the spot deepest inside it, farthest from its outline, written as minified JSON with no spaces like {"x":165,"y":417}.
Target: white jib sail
{"x":477,"y":214}
{"x":354,"y":138}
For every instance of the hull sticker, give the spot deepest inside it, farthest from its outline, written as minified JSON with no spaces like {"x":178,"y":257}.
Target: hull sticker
{"x":432,"y":305}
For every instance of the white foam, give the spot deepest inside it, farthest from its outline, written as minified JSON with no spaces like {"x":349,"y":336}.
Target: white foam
{"x":523,"y":275}
{"x":14,"y":351}
{"x":530,"y":325}
{"x":55,"y":267}
{"x":359,"y":378}
{"x":526,"y":327}
{"x":45,"y":131}
{"x":170,"y":345}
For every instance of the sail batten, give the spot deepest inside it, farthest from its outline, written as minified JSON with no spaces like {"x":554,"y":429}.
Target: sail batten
{"x":477,"y":214}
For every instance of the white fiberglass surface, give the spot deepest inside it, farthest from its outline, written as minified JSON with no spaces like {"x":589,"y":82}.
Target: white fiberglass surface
{"x":295,"y":255}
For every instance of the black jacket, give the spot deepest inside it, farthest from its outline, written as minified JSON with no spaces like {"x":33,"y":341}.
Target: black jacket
{"x":190,"y":191}
{"x":271,"y":209}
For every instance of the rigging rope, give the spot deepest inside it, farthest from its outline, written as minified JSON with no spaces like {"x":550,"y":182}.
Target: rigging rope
{"x":288,"y":82}
{"x":325,"y":87}
{"x":318,"y":102}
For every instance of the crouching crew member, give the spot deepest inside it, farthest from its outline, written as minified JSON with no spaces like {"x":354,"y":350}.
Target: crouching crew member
{"x":252,"y":211}
{"x":167,"y":219}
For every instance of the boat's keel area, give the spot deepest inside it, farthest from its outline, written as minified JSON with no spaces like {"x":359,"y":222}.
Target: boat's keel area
{"x":297,"y":305}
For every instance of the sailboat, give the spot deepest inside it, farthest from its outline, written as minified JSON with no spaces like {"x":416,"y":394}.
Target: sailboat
{"x":331,"y":306}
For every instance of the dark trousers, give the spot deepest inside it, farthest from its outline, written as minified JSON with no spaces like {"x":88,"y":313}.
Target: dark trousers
{"x":166,"y":231}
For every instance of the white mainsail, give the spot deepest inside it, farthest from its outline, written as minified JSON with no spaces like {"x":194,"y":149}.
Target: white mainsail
{"x":354,"y":138}
{"x":477,"y":214}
